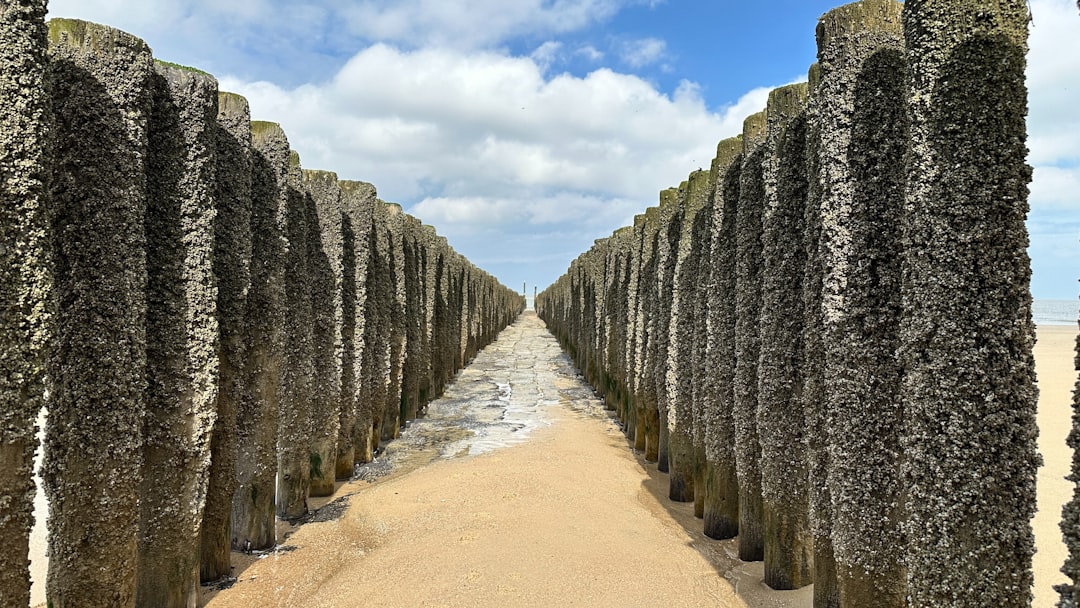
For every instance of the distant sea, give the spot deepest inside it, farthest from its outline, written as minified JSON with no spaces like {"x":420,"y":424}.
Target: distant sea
{"x":1055,"y":312}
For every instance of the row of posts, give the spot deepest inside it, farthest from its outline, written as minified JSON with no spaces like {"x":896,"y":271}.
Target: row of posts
{"x":826,"y":338}
{"x":215,"y":333}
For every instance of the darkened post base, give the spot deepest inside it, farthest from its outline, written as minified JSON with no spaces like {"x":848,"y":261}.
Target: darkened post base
{"x":721,"y":509}
{"x":343,"y":468}
{"x":214,"y":555}
{"x":638,"y":434}
{"x":751,"y":527}
{"x":858,"y":588}
{"x":699,"y":482}
{"x":662,"y":444}
{"x":681,"y":483}
{"x":826,"y":589}
{"x":651,"y":428}
{"x":322,"y":482}
{"x":789,"y":551}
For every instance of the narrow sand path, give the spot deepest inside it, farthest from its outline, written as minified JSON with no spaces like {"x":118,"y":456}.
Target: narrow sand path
{"x":570,"y":517}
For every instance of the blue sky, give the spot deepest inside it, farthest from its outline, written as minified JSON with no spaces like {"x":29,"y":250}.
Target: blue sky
{"x":525,"y":129}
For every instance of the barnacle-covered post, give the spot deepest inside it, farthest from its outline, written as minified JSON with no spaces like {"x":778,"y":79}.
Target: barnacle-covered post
{"x":181,"y":333}
{"x":861,"y":115}
{"x":232,"y":259}
{"x":669,"y":230}
{"x":966,"y":333}
{"x":380,"y":299}
{"x":324,"y":264}
{"x":264,"y":320}
{"x":99,"y":80}
{"x":747,"y":344}
{"x":354,"y":439}
{"x":680,"y":371}
{"x":297,"y":374}
{"x":646,"y":329}
{"x":395,"y":227}
{"x":414,"y":317}
{"x":826,"y":594}
{"x":721,"y":482}
{"x":789,"y":547}
{"x":24,"y":278}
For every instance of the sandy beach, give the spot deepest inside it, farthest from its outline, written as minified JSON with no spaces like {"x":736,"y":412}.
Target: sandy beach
{"x":560,"y":512}
{"x":1057,"y":376}
{"x":571,"y":517}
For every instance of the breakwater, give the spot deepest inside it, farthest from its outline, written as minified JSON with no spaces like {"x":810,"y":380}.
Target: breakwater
{"x":215,"y":332}
{"x":826,"y":338}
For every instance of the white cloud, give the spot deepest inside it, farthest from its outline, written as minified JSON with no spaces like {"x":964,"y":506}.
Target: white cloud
{"x":1056,"y":188}
{"x":495,"y":153}
{"x":443,"y":122}
{"x":643,"y":52}
{"x":1053,"y":83}
{"x":523,"y":215}
{"x":546,"y":54}
{"x":590,"y":53}
{"x":472,"y":23}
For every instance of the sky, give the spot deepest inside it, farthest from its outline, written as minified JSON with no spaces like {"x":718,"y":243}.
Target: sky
{"x":523,"y":130}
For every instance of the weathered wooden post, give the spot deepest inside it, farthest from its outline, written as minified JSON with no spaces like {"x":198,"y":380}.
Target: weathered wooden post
{"x":861,"y":114}
{"x":789,"y":550}
{"x":99,"y":81}
{"x":722,"y":483}
{"x":297,"y":373}
{"x":264,"y":319}
{"x":325,"y":263}
{"x":414,"y":318}
{"x":646,"y":329}
{"x":680,"y":372}
{"x":826,"y":594}
{"x":181,"y":333}
{"x":232,"y":260}
{"x":24,"y":278}
{"x":669,"y":230}
{"x":747,"y":343}
{"x":966,"y":333}
{"x":354,"y":440}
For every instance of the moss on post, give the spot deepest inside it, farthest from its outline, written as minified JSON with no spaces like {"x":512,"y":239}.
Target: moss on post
{"x":966,"y":333}
{"x":232,"y":260}
{"x":24,"y":278}
{"x":99,"y":81}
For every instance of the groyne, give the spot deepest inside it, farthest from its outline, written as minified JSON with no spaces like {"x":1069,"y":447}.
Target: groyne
{"x":866,"y":393}
{"x":216,"y":333}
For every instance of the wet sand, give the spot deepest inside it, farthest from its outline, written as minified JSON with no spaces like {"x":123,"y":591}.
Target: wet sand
{"x":555,"y":509}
